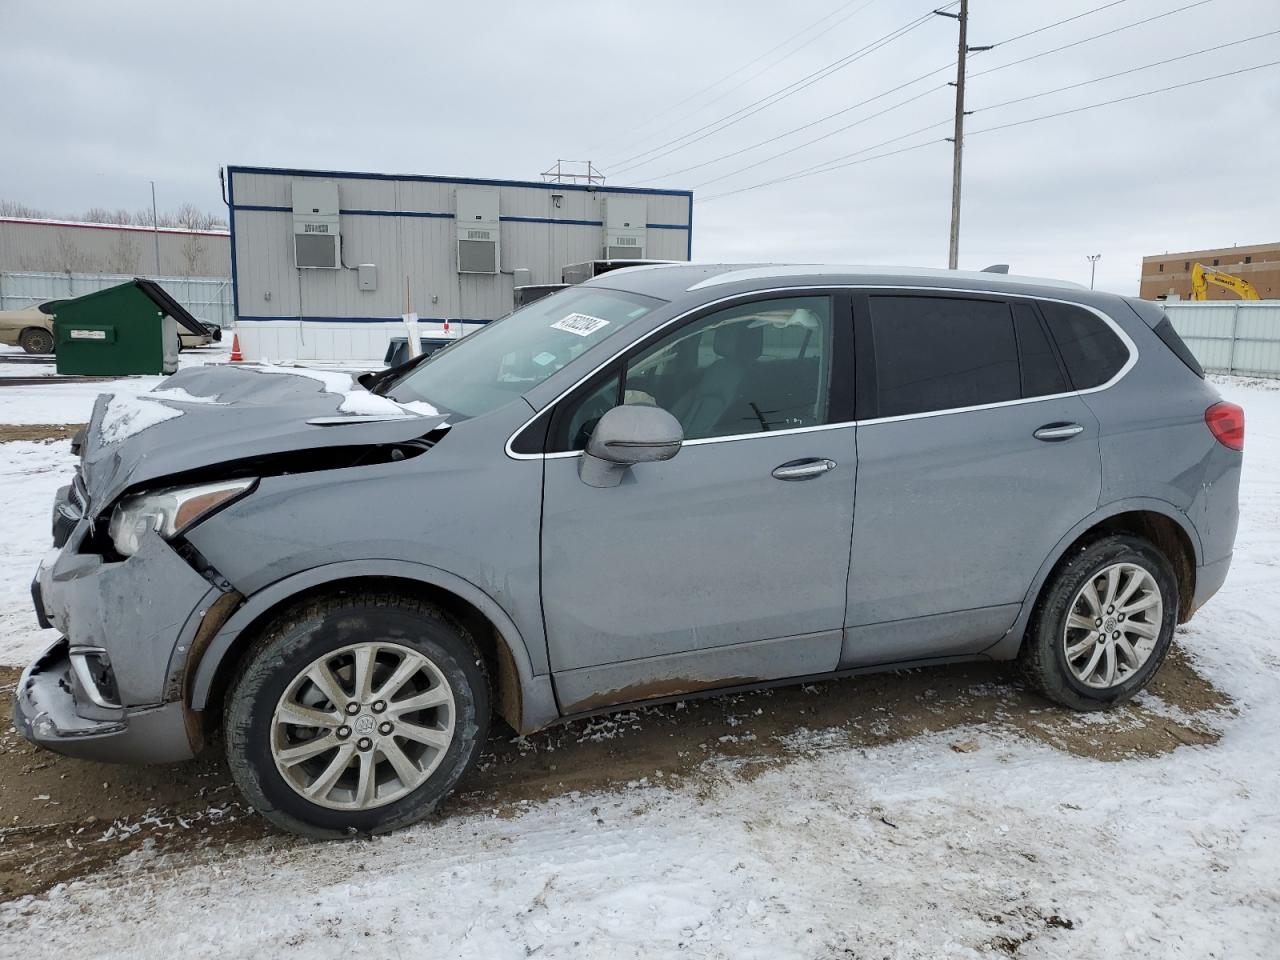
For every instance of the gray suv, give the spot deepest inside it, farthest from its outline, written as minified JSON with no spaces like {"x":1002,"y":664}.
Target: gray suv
{"x":666,"y":481}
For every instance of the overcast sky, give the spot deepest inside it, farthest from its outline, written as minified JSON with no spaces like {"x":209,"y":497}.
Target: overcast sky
{"x":100,"y":98}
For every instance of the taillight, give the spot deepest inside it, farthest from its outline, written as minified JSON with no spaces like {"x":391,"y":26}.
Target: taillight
{"x":1226,"y":423}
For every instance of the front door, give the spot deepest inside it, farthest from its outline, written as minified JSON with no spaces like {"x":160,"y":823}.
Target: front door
{"x":728,"y":563}
{"x":975,"y":457}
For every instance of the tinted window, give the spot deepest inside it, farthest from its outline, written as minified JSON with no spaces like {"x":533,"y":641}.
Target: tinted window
{"x":935,"y":353}
{"x":1041,"y":374}
{"x":745,"y":369}
{"x":1090,"y":349}
{"x":1164,"y":330}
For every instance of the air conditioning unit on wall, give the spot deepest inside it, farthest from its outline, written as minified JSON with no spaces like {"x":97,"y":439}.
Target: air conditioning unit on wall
{"x":625,"y":221}
{"x":479,"y":241}
{"x":317,"y":242}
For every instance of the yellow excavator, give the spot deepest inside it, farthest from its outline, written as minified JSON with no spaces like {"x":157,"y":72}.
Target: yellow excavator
{"x":1202,"y":276}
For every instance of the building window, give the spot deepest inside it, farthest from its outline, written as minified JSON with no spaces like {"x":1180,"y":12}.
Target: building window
{"x":1186,"y":264}
{"x":1215,"y":261}
{"x":1161,"y":268}
{"x":1248,"y":259}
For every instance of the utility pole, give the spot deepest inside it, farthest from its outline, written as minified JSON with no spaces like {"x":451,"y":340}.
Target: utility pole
{"x":962,"y":51}
{"x":1093,"y":266}
{"x":155,"y":226}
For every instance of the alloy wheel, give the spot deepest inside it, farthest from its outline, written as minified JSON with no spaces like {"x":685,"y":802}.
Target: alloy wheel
{"x":1113,"y":625}
{"x":363,"y":726}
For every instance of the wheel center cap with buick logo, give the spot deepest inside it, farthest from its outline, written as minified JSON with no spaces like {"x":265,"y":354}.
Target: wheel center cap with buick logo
{"x":1110,"y":624}
{"x":364,"y":725}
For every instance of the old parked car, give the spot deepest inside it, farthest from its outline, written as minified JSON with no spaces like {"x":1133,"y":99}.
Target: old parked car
{"x":666,"y":481}
{"x":31,"y":328}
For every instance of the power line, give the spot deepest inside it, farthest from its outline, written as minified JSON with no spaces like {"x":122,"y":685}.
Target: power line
{"x":1096,"y":36}
{"x":777,"y":96}
{"x":707,"y":89}
{"x":1058,"y":23}
{"x":1135,"y":96}
{"x":807,"y":143}
{"x":923,"y":76}
{"x":833,"y":165}
{"x":1123,"y":73}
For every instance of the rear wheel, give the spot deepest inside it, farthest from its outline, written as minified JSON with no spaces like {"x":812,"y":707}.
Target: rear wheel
{"x":356,"y":715}
{"x":1103,"y":624}
{"x":36,"y":340}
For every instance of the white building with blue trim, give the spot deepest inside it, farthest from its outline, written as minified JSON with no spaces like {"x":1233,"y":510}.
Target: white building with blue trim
{"x":324,"y":263}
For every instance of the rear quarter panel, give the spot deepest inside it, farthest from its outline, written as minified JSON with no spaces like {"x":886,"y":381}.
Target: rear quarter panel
{"x":1154,"y":442}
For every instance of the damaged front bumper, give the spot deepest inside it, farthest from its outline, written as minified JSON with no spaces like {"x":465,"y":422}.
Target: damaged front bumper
{"x":53,"y":709}
{"x":111,"y":687}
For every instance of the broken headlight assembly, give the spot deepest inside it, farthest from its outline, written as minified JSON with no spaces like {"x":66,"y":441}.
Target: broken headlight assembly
{"x":169,"y":511}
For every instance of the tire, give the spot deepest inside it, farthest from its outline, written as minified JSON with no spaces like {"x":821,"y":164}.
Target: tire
{"x":36,"y":340}
{"x":273,"y":684}
{"x":1047,"y":659}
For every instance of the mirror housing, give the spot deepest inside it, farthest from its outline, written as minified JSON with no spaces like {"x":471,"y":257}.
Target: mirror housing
{"x":625,"y":435}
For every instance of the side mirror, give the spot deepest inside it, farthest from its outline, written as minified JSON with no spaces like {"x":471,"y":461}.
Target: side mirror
{"x":628,"y":434}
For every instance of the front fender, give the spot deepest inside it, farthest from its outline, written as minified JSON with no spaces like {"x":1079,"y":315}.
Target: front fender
{"x":538,"y":707}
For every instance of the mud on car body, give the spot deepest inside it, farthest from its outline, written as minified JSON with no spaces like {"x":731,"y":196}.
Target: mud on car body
{"x":666,"y":481}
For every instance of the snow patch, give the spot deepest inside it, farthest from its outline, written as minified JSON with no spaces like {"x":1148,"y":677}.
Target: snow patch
{"x":127,"y":415}
{"x":355,"y":399}
{"x":178,"y":395}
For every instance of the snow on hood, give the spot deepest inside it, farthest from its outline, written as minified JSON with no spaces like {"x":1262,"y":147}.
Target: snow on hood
{"x":127,"y":414}
{"x":217,"y":413}
{"x":355,"y":399}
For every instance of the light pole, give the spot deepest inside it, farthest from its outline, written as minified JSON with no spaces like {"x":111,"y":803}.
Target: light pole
{"x":155,"y":226}
{"x":1093,"y":266}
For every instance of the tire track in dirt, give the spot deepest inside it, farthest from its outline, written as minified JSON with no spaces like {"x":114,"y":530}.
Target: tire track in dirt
{"x":62,"y":818}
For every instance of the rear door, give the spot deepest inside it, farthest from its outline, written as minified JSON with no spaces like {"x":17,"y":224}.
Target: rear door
{"x":974,"y":458}
{"x":728,"y":563}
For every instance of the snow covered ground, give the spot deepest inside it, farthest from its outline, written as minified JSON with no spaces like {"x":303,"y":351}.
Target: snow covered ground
{"x":913,"y":849}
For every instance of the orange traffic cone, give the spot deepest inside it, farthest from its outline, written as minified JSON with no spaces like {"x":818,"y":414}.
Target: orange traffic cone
{"x":236,"y":355}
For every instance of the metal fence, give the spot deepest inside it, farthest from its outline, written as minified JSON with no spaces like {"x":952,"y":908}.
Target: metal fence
{"x":1240,"y":337}
{"x":207,"y":298}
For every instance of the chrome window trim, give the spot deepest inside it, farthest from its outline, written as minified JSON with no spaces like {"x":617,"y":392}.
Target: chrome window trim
{"x":889,"y":289}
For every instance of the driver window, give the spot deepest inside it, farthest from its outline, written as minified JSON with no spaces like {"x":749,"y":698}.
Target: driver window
{"x":749,"y":368}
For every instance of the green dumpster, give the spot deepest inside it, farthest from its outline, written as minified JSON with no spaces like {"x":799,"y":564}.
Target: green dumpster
{"x":130,"y":328}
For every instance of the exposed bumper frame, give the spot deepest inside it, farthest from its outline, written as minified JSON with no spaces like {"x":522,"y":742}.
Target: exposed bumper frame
{"x":44,"y":712}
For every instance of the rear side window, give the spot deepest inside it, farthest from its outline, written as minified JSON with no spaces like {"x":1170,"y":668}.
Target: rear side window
{"x":937,"y":353}
{"x":1164,"y":330}
{"x":1091,"y":350}
{"x":1041,"y":373}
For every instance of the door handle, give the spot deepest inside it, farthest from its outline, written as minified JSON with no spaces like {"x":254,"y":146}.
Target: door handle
{"x":1058,"y":431}
{"x":803,"y":469}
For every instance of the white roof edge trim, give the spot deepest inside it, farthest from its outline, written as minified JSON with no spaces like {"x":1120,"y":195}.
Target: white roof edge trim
{"x":835,"y":272}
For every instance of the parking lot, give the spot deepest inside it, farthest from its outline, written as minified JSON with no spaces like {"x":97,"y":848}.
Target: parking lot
{"x":943,"y":812}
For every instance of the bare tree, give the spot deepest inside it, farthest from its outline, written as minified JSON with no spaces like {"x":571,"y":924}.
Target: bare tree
{"x":71,"y":258}
{"x":193,"y":251}
{"x":12,"y":208}
{"x":187,"y":217}
{"x":123,"y":255}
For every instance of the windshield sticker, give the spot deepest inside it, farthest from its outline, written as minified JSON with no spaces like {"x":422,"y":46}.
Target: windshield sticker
{"x":582,"y":324}
{"x":544,"y":358}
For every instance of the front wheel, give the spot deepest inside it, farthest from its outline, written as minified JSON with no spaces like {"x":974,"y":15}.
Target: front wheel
{"x":356,"y":714}
{"x":36,"y":340}
{"x":1103,"y":624}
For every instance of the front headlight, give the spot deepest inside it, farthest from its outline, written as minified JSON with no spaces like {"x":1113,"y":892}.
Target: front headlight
{"x":170,"y":511}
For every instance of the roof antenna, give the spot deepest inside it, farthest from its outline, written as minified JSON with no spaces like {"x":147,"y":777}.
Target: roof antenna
{"x":996,"y":268}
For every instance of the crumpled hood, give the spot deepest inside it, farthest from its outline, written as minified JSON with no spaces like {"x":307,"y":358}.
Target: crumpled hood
{"x":202,"y":416}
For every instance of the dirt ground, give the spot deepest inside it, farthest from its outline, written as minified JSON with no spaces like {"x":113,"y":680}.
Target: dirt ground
{"x":62,"y":818}
{"x":38,"y":431}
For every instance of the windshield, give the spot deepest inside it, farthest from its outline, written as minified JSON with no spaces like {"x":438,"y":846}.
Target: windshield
{"x":510,"y":356}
